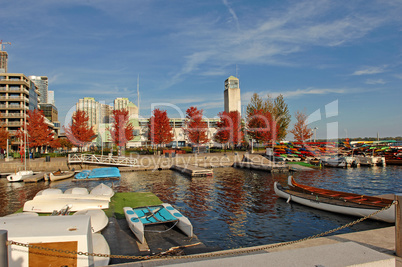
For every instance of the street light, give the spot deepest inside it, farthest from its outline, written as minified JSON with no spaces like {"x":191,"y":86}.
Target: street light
{"x":315,"y":134}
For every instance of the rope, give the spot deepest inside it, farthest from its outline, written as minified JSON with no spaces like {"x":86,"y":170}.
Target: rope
{"x":207,"y":255}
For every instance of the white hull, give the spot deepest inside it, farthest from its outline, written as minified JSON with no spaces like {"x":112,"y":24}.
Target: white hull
{"x":386,"y":216}
{"x":370,"y":160}
{"x":184,"y":223}
{"x":100,"y":246}
{"x":102,"y":190}
{"x":19,"y":176}
{"x":99,"y":220}
{"x":62,"y":176}
{"x":77,"y":191}
{"x":44,"y":205}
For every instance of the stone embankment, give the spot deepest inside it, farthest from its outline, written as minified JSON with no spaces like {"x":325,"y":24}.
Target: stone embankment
{"x":144,"y":162}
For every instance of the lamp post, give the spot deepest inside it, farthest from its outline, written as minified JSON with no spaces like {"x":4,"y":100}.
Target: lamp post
{"x":315,"y":134}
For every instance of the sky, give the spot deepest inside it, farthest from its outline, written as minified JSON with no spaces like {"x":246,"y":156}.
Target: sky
{"x":337,"y":61}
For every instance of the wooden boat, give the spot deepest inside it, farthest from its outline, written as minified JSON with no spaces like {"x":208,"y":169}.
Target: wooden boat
{"x":137,"y":218}
{"x":336,"y":201}
{"x":19,"y":176}
{"x":48,"y":205}
{"x":98,"y":174}
{"x":99,"y":220}
{"x":60,"y":175}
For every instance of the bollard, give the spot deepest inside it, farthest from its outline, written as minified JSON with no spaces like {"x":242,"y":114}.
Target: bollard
{"x":398,"y":225}
{"x":3,"y":249}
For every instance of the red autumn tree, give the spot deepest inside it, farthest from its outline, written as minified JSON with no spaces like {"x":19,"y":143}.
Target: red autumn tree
{"x":300,"y":130}
{"x":39,"y":133}
{"x":4,"y":134}
{"x":196,"y":129}
{"x":160,"y":131}
{"x":122,"y":130}
{"x":261,"y":126}
{"x":55,"y":143}
{"x":229,"y":128}
{"x":78,"y":132}
{"x":65,"y":143}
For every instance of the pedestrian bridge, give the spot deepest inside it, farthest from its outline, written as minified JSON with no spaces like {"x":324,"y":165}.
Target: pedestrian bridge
{"x":102,"y":160}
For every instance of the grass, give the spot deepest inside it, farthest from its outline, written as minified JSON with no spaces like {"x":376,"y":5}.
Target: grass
{"x":302,"y":164}
{"x":130,"y":199}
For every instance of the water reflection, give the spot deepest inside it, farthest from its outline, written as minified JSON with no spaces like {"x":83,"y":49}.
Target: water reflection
{"x":236,"y":207}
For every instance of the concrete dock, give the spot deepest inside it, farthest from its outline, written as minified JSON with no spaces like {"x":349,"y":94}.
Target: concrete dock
{"x":37,"y":177}
{"x":366,"y":248}
{"x":192,"y":170}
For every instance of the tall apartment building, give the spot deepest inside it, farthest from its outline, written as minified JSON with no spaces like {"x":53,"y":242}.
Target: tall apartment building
{"x":124,"y":103}
{"x":17,"y":95}
{"x":50,"y":98}
{"x":3,"y":61}
{"x":42,"y":82}
{"x":232,"y":95}
{"x":91,"y":108}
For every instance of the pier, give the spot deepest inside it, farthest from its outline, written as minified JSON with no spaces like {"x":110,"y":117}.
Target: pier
{"x":258,"y":162}
{"x":192,"y":170}
{"x":101,"y":160}
{"x":37,"y":177}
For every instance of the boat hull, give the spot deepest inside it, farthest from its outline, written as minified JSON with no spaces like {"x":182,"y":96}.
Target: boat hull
{"x":99,"y":220}
{"x":386,"y":215}
{"x":19,"y":176}
{"x":61,"y":176}
{"x":43,"y":205}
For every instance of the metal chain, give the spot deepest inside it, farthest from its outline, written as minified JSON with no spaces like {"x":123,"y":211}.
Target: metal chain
{"x":207,"y":255}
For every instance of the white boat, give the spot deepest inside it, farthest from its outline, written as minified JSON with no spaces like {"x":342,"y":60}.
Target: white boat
{"x":44,"y":204}
{"x":100,"y":246}
{"x":22,"y":215}
{"x":60,"y":175}
{"x":49,"y":191}
{"x":337,"y":162}
{"x":137,"y":218}
{"x":77,"y":191}
{"x":338,"y":202}
{"x":102,"y":190}
{"x":19,"y":176}
{"x":54,"y":232}
{"x":99,"y":220}
{"x":370,"y":160}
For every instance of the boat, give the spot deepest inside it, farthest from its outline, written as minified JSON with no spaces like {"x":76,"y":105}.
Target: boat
{"x":43,"y":204}
{"x":100,"y":246}
{"x":365,"y":160}
{"x":102,"y":190}
{"x":138,"y":218}
{"x":98,"y":174}
{"x":99,"y":220}
{"x":77,"y":191}
{"x":19,"y":176}
{"x":337,"y":162}
{"x":60,"y":175}
{"x":336,"y":201}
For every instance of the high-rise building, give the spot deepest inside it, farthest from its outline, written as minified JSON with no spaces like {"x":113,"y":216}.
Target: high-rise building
{"x":232,"y":95}
{"x":91,"y":108}
{"x":42,"y":83}
{"x":3,"y":61}
{"x":50,"y":98}
{"x":124,"y":103}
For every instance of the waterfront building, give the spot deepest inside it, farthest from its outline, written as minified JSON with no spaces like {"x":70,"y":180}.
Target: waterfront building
{"x":3,"y":61}
{"x":42,"y":83}
{"x":91,"y":108}
{"x":17,"y":95}
{"x":232,"y":97}
{"x":51,"y":113}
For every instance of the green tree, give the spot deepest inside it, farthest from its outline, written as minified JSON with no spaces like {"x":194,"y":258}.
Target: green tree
{"x":282,"y":116}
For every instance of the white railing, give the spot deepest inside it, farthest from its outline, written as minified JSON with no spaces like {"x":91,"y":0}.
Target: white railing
{"x":100,"y":159}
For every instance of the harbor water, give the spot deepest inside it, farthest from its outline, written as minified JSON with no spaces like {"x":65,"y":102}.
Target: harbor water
{"x":237,"y":208}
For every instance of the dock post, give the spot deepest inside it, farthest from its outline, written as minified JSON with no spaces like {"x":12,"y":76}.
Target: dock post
{"x":398,"y":225}
{"x":3,"y":249}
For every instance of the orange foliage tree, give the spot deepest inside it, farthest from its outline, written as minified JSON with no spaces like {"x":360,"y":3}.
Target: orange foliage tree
{"x":78,"y":132}
{"x":196,"y":129}
{"x":65,"y":143}
{"x":229,"y":129}
{"x":39,"y":133}
{"x":262,"y":126}
{"x":300,"y":130}
{"x":122,"y":130}
{"x":4,"y":134}
{"x":160,"y":131}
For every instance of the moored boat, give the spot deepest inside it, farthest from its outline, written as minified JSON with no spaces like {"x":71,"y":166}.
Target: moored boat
{"x":60,"y":175}
{"x":336,"y":201}
{"x":19,"y":176}
{"x":98,"y":174}
{"x":47,"y":205}
{"x":99,"y":220}
{"x":137,"y":218}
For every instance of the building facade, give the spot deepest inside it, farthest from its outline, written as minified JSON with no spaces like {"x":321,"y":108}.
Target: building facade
{"x":91,"y":108}
{"x":232,"y":96}
{"x":3,"y":61}
{"x":42,"y":83}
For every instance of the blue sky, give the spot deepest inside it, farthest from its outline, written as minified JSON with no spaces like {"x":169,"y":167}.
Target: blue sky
{"x":338,"y":61}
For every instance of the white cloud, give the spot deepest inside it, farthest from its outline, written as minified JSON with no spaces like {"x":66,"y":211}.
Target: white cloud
{"x":370,"y":70}
{"x":379,"y":81}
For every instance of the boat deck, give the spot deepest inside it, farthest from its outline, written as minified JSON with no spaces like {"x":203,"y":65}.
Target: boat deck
{"x":192,"y":170}
{"x":37,"y":177}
